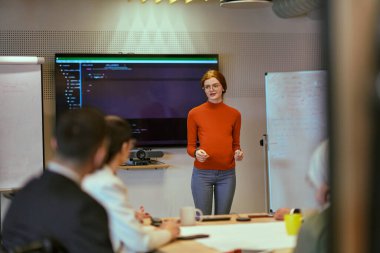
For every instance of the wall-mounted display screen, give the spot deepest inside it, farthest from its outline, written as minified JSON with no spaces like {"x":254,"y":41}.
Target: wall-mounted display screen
{"x":153,"y":92}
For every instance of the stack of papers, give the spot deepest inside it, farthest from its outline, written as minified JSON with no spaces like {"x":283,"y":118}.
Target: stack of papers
{"x":252,"y":236}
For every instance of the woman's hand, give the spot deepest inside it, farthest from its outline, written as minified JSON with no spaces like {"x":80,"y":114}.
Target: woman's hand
{"x":141,"y":214}
{"x":173,"y":227}
{"x":239,"y":155}
{"x":280,"y":213}
{"x":201,"y":155}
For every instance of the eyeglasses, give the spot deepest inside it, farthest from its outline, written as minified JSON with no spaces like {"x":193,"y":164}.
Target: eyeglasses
{"x":214,"y":86}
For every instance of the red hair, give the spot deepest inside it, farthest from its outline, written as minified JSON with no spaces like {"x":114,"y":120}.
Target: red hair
{"x":216,"y":74}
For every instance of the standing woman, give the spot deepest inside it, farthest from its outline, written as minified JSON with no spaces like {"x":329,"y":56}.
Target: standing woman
{"x":216,"y":127}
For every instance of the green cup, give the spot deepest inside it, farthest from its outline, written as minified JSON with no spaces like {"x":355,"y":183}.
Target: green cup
{"x":293,"y":223}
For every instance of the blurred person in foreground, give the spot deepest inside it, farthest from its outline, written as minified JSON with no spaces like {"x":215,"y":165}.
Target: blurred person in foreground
{"x":312,"y":237}
{"x":127,"y":232}
{"x":324,"y":189}
{"x":53,"y":205}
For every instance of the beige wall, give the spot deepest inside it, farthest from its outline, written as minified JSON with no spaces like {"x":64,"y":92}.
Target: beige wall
{"x":250,"y":42}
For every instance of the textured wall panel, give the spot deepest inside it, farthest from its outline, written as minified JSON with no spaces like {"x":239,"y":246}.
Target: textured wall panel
{"x":245,"y":57}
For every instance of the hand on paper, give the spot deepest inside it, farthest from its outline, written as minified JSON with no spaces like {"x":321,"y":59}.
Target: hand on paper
{"x":172,"y":226}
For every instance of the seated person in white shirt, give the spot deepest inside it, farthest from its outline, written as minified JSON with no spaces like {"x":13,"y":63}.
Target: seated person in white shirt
{"x":127,"y":232}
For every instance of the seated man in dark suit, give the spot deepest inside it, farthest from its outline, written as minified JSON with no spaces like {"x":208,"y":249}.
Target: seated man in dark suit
{"x":53,"y":205}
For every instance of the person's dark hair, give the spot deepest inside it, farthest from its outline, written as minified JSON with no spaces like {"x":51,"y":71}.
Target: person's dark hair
{"x":118,"y":132}
{"x":219,"y":76}
{"x":79,"y":133}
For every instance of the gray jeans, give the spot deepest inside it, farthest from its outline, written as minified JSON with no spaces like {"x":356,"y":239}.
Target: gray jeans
{"x":218,"y":183}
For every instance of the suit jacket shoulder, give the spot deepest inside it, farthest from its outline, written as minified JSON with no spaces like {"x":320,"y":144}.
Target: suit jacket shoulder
{"x":54,"y":206}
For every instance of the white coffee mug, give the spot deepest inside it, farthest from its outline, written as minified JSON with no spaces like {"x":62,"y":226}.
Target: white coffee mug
{"x":188,"y":215}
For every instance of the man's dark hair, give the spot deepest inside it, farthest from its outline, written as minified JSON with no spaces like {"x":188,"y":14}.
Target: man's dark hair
{"x":118,"y":132}
{"x":79,"y":133}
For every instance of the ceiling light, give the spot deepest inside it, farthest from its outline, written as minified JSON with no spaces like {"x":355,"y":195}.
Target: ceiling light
{"x":244,"y":4}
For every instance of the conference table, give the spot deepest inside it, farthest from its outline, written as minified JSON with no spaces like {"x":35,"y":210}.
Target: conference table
{"x":191,"y":246}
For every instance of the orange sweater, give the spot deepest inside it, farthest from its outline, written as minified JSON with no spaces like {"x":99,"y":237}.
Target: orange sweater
{"x":217,"y":127}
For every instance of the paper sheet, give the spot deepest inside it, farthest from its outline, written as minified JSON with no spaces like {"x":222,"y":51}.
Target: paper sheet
{"x":265,"y":236}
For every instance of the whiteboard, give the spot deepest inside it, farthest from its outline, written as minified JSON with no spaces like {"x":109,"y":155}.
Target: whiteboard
{"x":296,"y":124}
{"x":21,"y":123}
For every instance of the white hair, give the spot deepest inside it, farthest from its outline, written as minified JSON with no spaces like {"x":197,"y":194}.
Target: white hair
{"x":318,"y":171}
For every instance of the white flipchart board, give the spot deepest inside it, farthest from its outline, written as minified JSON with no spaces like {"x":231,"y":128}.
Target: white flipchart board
{"x":296,"y":124}
{"x":21,"y":125}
